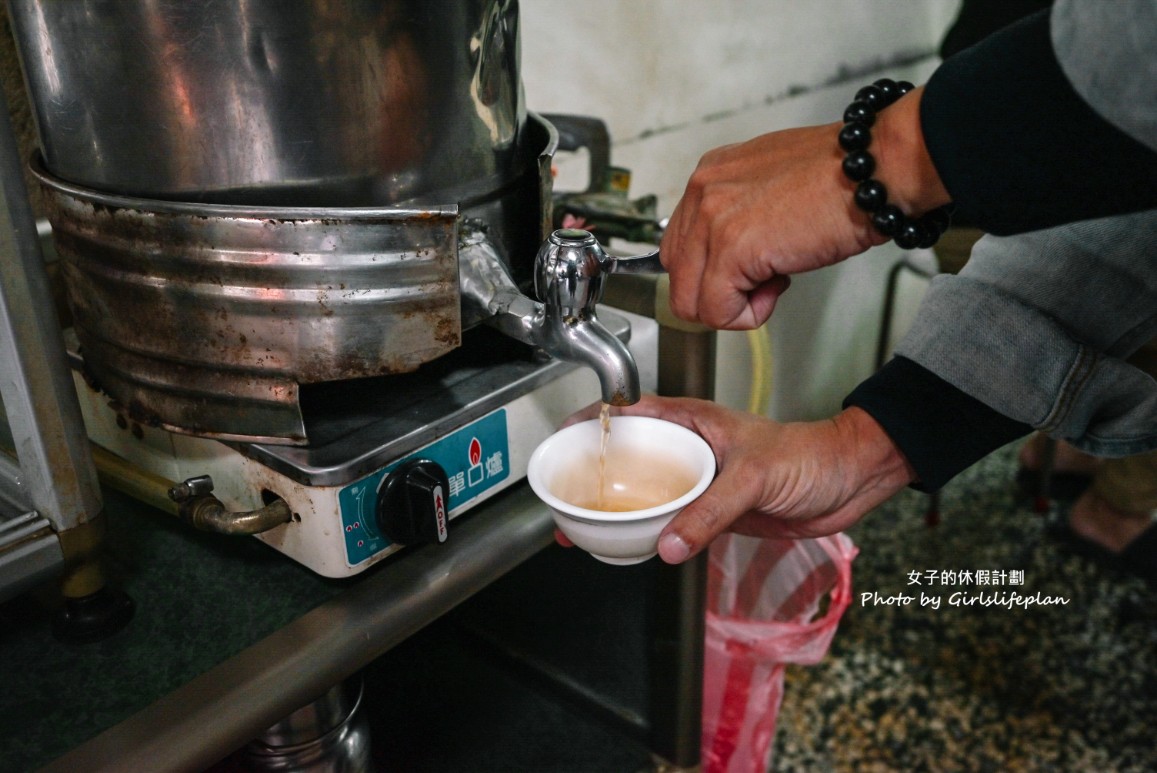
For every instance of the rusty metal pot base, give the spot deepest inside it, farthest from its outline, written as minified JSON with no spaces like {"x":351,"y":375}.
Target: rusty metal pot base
{"x":206,"y":319}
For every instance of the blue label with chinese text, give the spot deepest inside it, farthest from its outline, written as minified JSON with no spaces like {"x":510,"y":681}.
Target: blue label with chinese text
{"x":476,"y":458}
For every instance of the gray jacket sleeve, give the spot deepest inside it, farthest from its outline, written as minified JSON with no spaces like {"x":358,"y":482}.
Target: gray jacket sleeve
{"x":1049,"y":120}
{"x":1038,"y":325}
{"x":1034,"y":331}
{"x":1108,"y":52}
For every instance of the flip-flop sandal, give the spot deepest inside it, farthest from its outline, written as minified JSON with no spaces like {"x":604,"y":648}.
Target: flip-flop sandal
{"x":1061,"y":532}
{"x":1139,"y":558}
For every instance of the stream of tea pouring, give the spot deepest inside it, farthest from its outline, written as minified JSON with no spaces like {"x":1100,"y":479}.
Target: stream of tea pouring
{"x":605,"y":424}
{"x":622,"y":479}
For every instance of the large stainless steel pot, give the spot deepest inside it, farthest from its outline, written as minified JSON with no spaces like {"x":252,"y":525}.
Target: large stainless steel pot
{"x":253,"y":196}
{"x":206,"y":319}
{"x":303,"y":103}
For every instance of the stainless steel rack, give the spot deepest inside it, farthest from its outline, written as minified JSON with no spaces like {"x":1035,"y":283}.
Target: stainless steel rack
{"x":49,"y":494}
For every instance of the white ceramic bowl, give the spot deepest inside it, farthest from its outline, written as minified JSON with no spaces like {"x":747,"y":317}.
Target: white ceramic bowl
{"x":669,"y":462}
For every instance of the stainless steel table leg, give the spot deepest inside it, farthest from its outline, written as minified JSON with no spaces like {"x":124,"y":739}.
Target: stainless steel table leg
{"x":676,"y":631}
{"x":677,"y":619}
{"x":686,"y":369}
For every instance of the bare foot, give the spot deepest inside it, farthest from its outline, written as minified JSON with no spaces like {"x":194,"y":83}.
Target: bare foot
{"x":1099,"y":522}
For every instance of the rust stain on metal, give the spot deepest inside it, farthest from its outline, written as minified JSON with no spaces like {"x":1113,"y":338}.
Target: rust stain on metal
{"x":89,"y":377}
{"x":323,"y":302}
{"x":141,"y":414}
{"x":446,"y":332}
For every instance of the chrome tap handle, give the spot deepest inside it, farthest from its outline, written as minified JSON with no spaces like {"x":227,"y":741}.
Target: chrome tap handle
{"x":569,"y":271}
{"x":647,"y":263}
{"x":571,"y":266}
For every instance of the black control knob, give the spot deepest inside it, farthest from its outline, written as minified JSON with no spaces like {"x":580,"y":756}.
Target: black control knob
{"x":413,"y":503}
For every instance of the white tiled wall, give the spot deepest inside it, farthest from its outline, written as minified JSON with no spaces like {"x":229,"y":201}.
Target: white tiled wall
{"x":675,"y":78}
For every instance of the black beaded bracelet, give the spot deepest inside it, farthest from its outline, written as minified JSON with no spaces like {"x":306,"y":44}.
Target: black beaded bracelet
{"x":871,"y":196}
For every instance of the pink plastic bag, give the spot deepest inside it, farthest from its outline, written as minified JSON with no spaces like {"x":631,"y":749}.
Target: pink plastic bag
{"x":762,"y":602}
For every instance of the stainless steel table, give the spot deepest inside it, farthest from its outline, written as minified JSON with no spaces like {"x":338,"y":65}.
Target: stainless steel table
{"x":202,"y":721}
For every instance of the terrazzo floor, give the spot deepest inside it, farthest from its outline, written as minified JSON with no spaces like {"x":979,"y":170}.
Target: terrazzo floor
{"x":912,"y":687}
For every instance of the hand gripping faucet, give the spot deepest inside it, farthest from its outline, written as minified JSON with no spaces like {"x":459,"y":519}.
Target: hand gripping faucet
{"x":568,"y":279}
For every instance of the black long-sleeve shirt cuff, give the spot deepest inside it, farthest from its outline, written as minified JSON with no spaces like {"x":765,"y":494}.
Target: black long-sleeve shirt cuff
{"x":940,"y":429}
{"x":1015,"y":145}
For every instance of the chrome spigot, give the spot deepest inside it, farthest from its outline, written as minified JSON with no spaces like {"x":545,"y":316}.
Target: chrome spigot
{"x":569,"y":271}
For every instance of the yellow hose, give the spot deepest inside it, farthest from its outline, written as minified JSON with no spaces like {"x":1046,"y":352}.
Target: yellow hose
{"x":124,"y":476}
{"x":759,"y":395}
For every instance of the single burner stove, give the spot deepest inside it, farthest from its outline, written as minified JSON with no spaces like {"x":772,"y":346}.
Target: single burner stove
{"x":392,"y":460}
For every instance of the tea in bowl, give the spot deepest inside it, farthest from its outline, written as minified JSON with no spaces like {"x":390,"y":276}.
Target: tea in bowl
{"x":613,"y":503}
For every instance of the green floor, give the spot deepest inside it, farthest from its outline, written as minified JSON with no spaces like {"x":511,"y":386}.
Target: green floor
{"x":55,"y":696}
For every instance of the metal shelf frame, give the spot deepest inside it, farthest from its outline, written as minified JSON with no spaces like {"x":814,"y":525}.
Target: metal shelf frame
{"x":50,"y":488}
